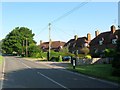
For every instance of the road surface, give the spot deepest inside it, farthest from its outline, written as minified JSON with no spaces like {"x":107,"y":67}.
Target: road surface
{"x":20,"y":73}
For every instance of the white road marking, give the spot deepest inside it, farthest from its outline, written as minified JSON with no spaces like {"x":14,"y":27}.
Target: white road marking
{"x":108,"y":82}
{"x":24,"y":64}
{"x":3,"y":71}
{"x":46,"y":77}
{"x":64,"y":69}
{"x":53,"y":81}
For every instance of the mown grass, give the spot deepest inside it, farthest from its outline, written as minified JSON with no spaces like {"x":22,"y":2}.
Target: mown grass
{"x":1,"y":59}
{"x":103,"y":71}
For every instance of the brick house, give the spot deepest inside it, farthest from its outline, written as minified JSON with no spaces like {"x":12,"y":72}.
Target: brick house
{"x":105,"y":40}
{"x":76,"y":44}
{"x":55,"y":45}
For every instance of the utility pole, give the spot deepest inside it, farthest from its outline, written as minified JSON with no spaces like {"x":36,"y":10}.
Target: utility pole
{"x":49,"y":41}
{"x":26,"y":48}
{"x":23,"y":48}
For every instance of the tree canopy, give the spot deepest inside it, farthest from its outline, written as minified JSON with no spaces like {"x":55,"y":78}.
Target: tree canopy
{"x":15,"y":41}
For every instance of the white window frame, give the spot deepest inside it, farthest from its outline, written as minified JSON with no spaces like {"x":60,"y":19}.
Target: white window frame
{"x":114,"y":41}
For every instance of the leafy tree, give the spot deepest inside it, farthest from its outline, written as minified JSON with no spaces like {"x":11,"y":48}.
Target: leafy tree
{"x":116,"y":61}
{"x":34,"y":51}
{"x":85,"y":50}
{"x":109,"y":52}
{"x":15,"y":41}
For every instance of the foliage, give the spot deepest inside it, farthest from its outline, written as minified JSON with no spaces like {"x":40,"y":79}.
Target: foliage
{"x":34,"y":51}
{"x":60,"y":58}
{"x":116,"y":61}
{"x":15,"y":41}
{"x":65,"y":50}
{"x":88,"y":57}
{"x":109,"y":52}
{"x":85,"y":50}
{"x":103,"y":71}
{"x":1,"y":59}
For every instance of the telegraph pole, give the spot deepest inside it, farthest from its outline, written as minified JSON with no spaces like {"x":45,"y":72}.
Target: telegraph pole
{"x":23,"y":48}
{"x":26,"y":48}
{"x":49,"y":41}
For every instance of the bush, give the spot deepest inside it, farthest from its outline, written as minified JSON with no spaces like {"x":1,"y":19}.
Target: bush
{"x":60,"y":58}
{"x":116,"y":72}
{"x":116,"y":61}
{"x":88,"y":57}
{"x":54,"y":59}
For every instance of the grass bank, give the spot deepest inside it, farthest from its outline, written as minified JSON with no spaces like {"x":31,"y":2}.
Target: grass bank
{"x":1,"y":59}
{"x":103,"y":71}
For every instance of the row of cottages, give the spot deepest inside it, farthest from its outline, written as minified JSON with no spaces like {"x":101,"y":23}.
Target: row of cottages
{"x":105,"y":40}
{"x":98,"y":44}
{"x":75,"y":45}
{"x":55,"y":45}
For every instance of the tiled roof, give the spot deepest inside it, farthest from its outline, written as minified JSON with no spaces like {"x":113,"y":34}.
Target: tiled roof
{"x":54,"y":44}
{"x":77,"y":43}
{"x":106,"y":36}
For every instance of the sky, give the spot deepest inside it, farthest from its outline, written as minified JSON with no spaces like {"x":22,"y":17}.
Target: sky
{"x":36,"y":16}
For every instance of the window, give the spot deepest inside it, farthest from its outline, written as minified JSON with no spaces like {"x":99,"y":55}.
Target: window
{"x":74,"y":44}
{"x":114,"y":41}
{"x":86,"y":45}
{"x":100,"y":42}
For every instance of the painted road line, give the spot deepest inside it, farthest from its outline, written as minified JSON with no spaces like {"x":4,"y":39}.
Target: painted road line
{"x":46,"y":77}
{"x":64,"y":69}
{"x":108,"y":82}
{"x":53,"y":81}
{"x":24,"y":64}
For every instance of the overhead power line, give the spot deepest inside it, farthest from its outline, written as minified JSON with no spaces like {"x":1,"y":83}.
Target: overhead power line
{"x":46,"y":27}
{"x":64,"y":15}
{"x":69,"y":12}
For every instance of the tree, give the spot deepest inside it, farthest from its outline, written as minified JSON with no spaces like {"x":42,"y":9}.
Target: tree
{"x":34,"y":51}
{"x":85,"y":50}
{"x":15,"y":41}
{"x":116,"y":61}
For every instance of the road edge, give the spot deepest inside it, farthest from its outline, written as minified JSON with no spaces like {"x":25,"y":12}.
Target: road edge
{"x":2,"y":73}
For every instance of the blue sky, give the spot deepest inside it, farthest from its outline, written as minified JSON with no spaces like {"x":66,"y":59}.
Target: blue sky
{"x":36,"y":15}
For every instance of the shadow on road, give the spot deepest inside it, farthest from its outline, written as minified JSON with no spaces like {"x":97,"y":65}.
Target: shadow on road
{"x":28,"y":78}
{"x":49,"y":78}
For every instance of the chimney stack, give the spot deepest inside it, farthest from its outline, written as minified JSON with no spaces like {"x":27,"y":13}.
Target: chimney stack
{"x":89,"y":36}
{"x":40,"y":42}
{"x":75,"y":37}
{"x":96,"y":33}
{"x":113,"y":28}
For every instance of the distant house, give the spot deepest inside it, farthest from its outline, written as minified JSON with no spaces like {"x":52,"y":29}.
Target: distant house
{"x":55,"y":45}
{"x":76,"y":44}
{"x":105,"y":40}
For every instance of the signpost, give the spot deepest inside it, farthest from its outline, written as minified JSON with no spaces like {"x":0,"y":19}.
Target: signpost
{"x":73,"y":64}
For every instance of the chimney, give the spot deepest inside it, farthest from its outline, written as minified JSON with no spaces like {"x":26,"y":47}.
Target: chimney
{"x":113,"y":29}
{"x":96,"y":33}
{"x":75,"y":37}
{"x":40,"y":42}
{"x":88,"y":36}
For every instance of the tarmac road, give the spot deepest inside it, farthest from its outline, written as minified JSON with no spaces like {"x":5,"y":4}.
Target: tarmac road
{"x":20,"y":73}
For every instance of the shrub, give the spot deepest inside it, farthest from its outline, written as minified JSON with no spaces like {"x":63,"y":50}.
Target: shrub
{"x":85,"y":50}
{"x":88,"y":57}
{"x":116,"y":61}
{"x":60,"y":58}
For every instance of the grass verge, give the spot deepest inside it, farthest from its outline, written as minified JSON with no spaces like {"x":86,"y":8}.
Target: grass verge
{"x":103,"y":71}
{"x":1,"y":59}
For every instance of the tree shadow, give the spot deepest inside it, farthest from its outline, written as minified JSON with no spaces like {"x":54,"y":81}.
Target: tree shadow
{"x":28,"y":78}
{"x":48,"y":78}
{"x":60,"y":64}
